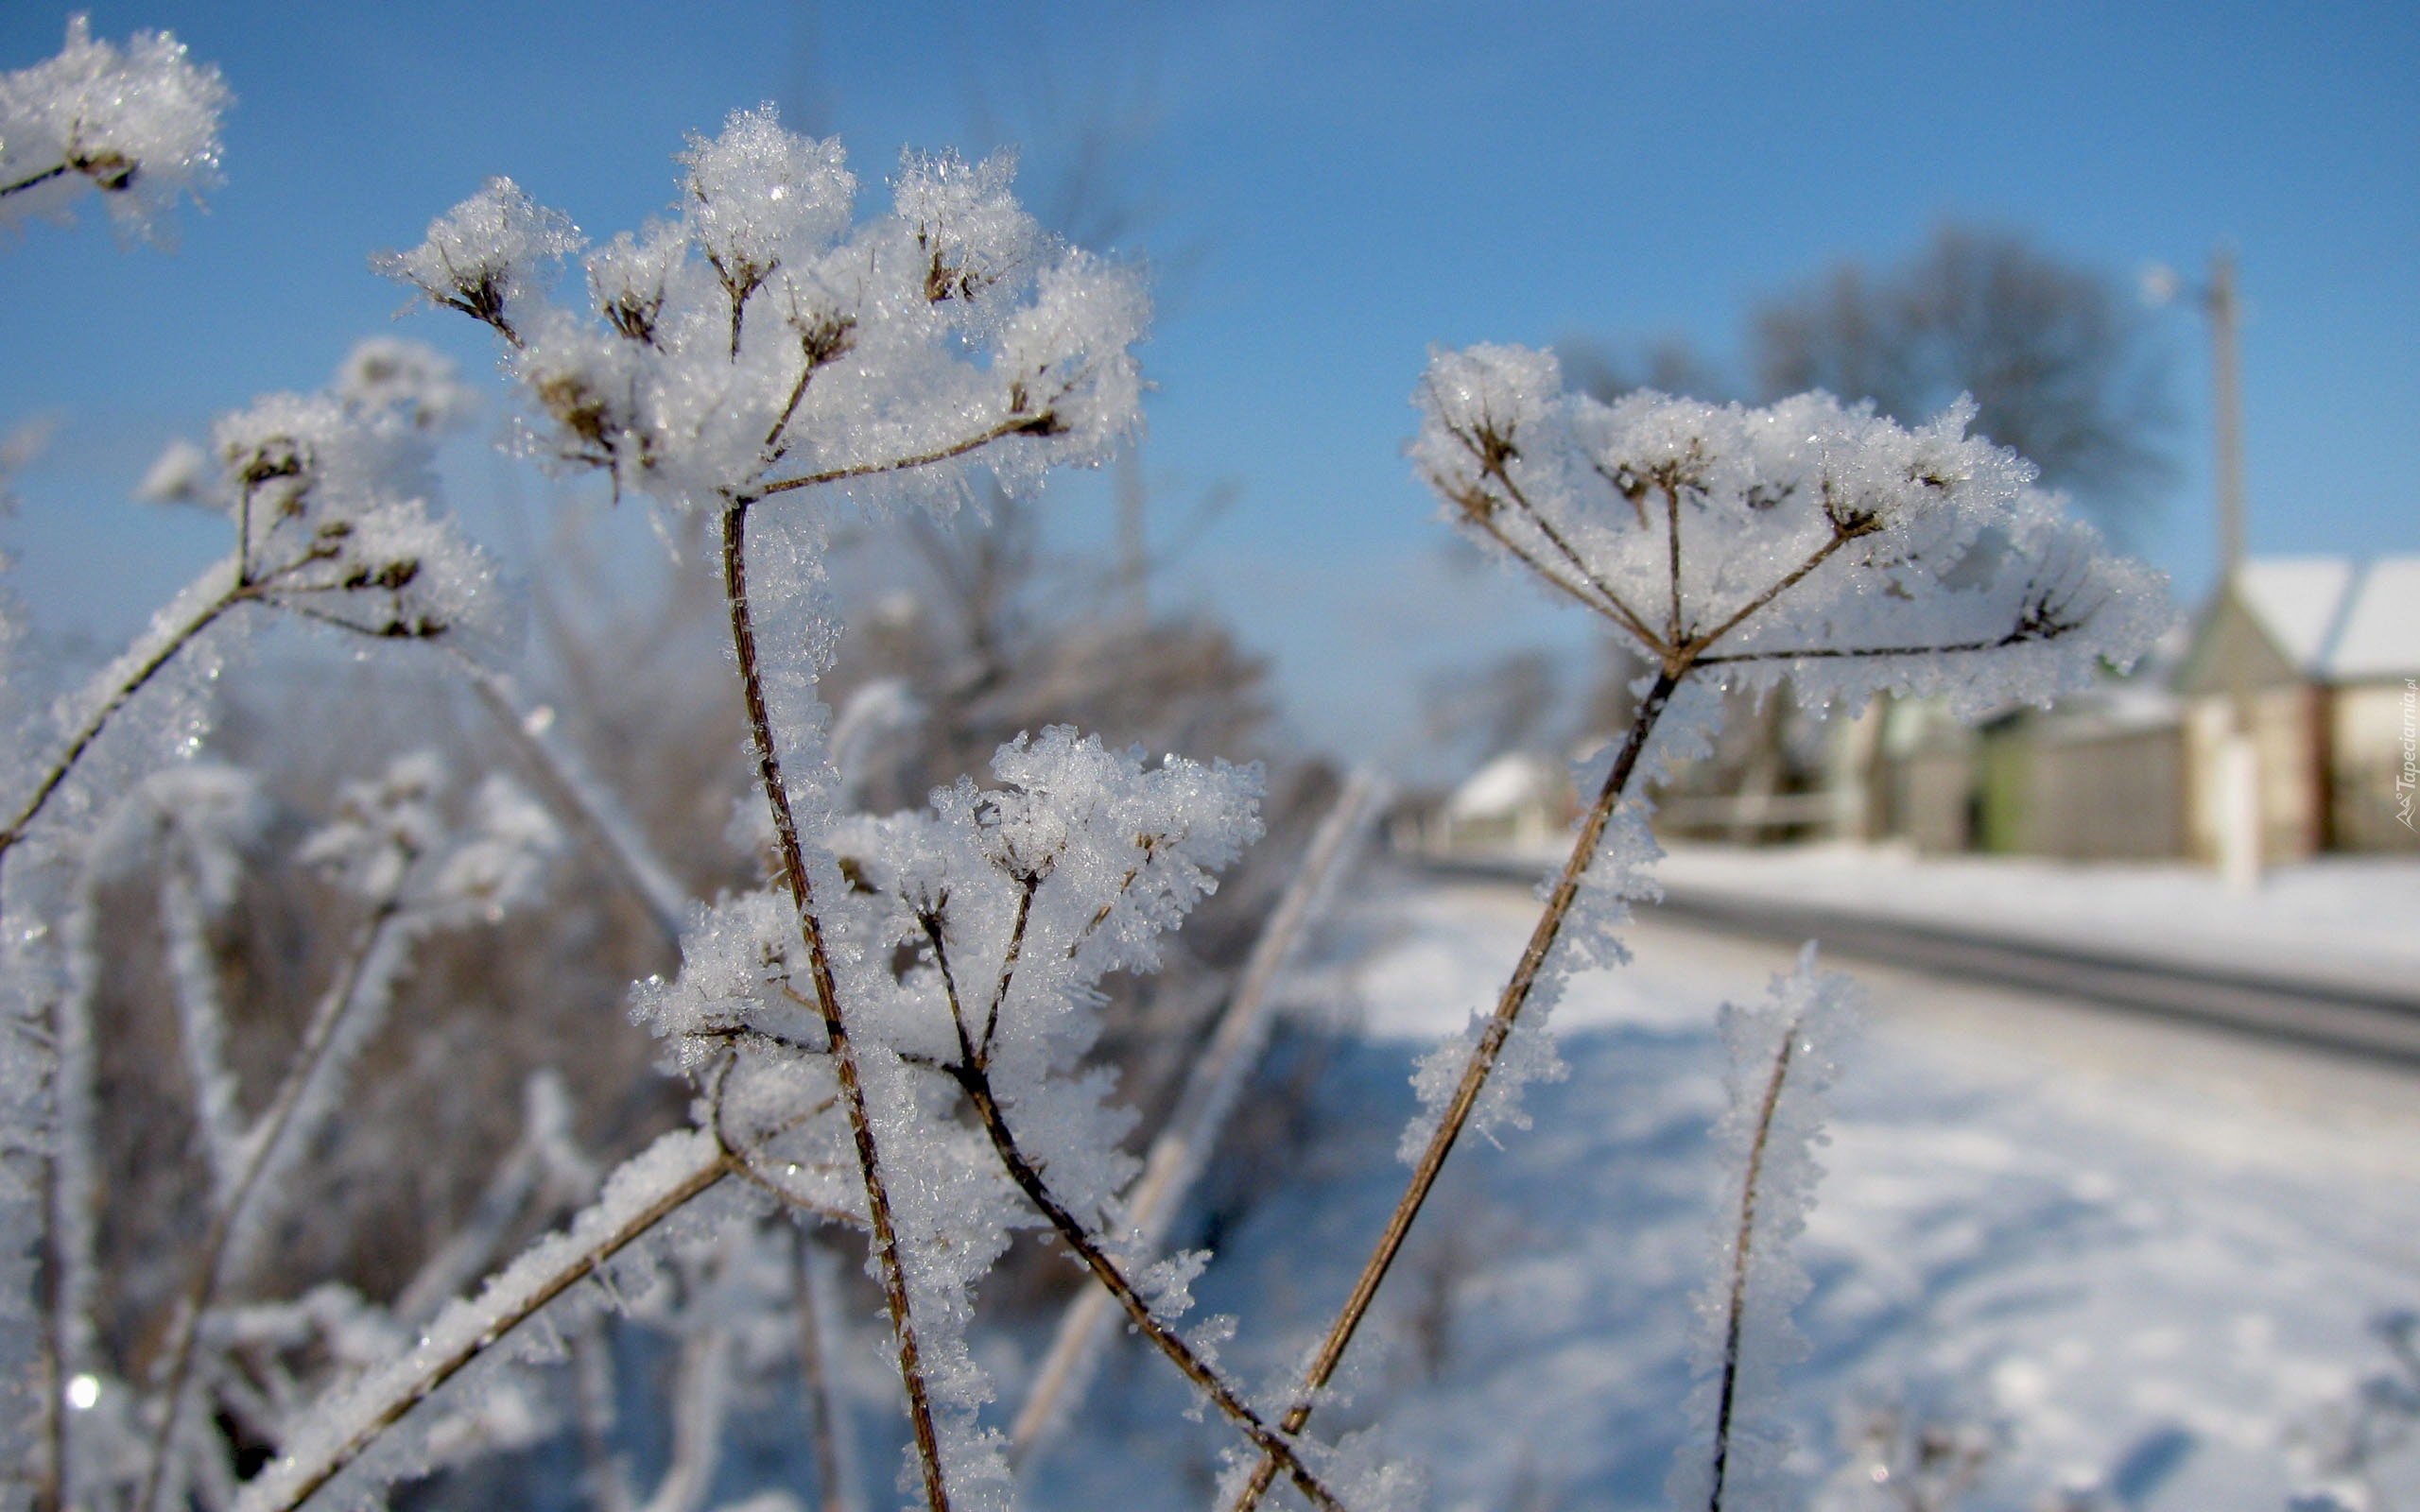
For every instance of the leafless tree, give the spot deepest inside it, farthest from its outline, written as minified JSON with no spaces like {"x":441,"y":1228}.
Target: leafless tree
{"x":2054,"y":352}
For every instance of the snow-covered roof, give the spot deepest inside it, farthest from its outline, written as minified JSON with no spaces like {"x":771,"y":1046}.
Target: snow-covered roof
{"x":2334,"y":620}
{"x":2377,"y":635}
{"x":2296,"y":600}
{"x":1505,"y":785}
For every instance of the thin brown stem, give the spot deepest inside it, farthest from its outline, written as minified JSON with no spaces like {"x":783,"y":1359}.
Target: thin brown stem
{"x":932,"y":927}
{"x":827,"y":1004}
{"x":743,"y":1163}
{"x":22,"y":184}
{"x":789,"y":408}
{"x":81,"y":742}
{"x":1027,"y":887}
{"x":1840,"y":537}
{"x":1014,"y":425}
{"x":1277,"y":1449}
{"x":209,"y":1267}
{"x":1457,"y":1110}
{"x":1672,"y":533}
{"x":444,"y":1367}
{"x":1630,"y":617}
{"x":1820,"y":653}
{"x":1742,"y":1258}
{"x":1101,"y":915}
{"x":1579,"y":594}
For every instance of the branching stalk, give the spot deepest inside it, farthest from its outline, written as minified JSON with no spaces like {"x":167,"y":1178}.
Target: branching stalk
{"x":1741,"y":1257}
{"x":298,"y":1483}
{"x":1475,"y":1074}
{"x":209,"y":1267}
{"x":64,"y":764}
{"x":1277,"y":1449}
{"x":33,"y":180}
{"x":827,"y":1004}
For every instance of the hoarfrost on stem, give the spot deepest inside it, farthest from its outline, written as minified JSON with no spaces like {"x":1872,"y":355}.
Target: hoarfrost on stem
{"x":1784,"y":1055}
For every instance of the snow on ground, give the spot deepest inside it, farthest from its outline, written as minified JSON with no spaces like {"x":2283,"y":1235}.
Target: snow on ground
{"x":2348,"y":920}
{"x":2145,"y":1254}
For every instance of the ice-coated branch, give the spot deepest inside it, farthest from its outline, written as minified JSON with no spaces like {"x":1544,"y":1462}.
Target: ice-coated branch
{"x":1466,"y":1099}
{"x":650,"y":1187}
{"x":579,"y":798}
{"x":1211,"y":1088}
{"x":264,"y":1141}
{"x":827,"y":1007}
{"x":172,"y":629}
{"x":1783,"y":1054}
{"x":388,"y":847}
{"x":1087,"y":1249}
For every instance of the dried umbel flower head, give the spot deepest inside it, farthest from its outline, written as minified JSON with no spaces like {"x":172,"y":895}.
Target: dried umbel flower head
{"x":140,"y":126}
{"x":759,"y":339}
{"x":1807,"y":538}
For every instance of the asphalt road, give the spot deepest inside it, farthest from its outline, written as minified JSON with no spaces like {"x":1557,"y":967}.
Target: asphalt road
{"x":2376,"y":1025}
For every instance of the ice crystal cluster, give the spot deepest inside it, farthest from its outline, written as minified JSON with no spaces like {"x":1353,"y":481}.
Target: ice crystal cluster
{"x":969,"y":941}
{"x":761,"y":338}
{"x":1808,"y":539}
{"x":140,"y":126}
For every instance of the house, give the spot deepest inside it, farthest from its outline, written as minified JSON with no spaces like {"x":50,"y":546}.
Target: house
{"x":2318,"y":659}
{"x":1519,"y":798}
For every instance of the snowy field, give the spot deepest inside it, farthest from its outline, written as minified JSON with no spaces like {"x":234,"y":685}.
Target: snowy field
{"x":2351,"y":921}
{"x":2143,"y":1256}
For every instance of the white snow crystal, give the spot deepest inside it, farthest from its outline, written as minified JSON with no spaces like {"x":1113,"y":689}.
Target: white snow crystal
{"x":139,"y":126}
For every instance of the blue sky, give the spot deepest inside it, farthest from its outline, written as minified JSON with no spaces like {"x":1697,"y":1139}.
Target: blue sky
{"x":1330,"y":190}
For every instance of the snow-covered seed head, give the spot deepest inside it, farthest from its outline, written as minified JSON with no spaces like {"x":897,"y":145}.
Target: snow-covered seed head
{"x":407,"y":378}
{"x":1806,"y":538}
{"x":330,"y":493}
{"x":487,"y":256}
{"x":140,"y":126}
{"x":757,"y":338}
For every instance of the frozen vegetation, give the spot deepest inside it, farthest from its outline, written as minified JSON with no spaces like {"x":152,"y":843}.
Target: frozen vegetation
{"x":887,"y":1026}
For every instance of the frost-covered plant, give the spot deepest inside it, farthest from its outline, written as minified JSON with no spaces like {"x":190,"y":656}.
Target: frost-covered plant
{"x":412,"y":872}
{"x":139,"y":126}
{"x":327,"y":494}
{"x":1783,"y":1053}
{"x":1729,"y":548}
{"x":892,"y":1035}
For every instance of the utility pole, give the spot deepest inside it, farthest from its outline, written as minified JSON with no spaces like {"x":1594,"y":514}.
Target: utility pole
{"x":2238,"y":765}
{"x":2232,"y":804}
{"x":1133,"y":564}
{"x":2226,"y":409}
